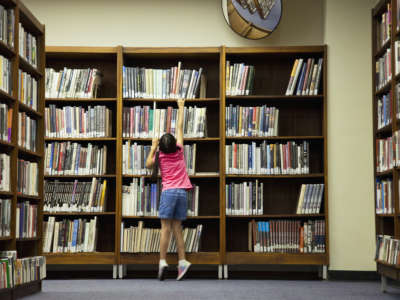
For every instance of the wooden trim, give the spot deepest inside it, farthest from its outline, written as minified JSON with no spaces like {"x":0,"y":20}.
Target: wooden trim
{"x":248,"y":258}
{"x":274,"y":50}
{"x":170,"y":50}
{"x":202,"y":258}
{"x":80,"y":50}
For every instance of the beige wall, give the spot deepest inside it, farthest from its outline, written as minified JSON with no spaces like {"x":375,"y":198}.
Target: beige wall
{"x":165,"y":23}
{"x":305,"y":22}
{"x":350,"y":173}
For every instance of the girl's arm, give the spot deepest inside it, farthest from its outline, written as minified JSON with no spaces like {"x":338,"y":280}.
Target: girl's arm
{"x":179,"y":129}
{"x":149,"y":160}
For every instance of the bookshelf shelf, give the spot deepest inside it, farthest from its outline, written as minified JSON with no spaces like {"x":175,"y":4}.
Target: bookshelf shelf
{"x":184,"y":139}
{"x":277,"y":258}
{"x":6,"y":50}
{"x":6,"y":238}
{"x":385,"y":130}
{"x":28,"y":197}
{"x":6,"y":194}
{"x":4,"y":144}
{"x":299,"y":216}
{"x":89,"y":100}
{"x":81,"y":258}
{"x":385,"y":215}
{"x":29,"y":153}
{"x":171,"y":100}
{"x":100,"y":139}
{"x":251,"y":138}
{"x":203,"y":258}
{"x":27,"y":67}
{"x":385,"y":89}
{"x":320,"y":175}
{"x":31,"y":112}
{"x":274,"y":97}
{"x":4,"y":95}
{"x":382,"y":50}
{"x":79,"y":176}
{"x":156,"y":218}
{"x":46,"y":213}
{"x":33,"y":239}
{"x":385,"y":173}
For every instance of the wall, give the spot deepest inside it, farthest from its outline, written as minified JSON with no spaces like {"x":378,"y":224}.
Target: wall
{"x":348,"y":36}
{"x":306,"y":22}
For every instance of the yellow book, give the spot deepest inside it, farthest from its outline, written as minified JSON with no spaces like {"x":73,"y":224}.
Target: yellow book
{"x":103,"y":195}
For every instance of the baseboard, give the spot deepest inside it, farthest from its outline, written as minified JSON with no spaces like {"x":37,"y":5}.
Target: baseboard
{"x":353,"y":275}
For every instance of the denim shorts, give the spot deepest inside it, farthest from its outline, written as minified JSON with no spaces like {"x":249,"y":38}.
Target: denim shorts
{"x":173,"y":204}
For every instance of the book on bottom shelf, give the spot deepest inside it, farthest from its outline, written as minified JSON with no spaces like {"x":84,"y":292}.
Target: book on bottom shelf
{"x":70,"y":236}
{"x":16,"y":271}
{"x":137,"y":239}
{"x":387,"y":249}
{"x":287,"y":236}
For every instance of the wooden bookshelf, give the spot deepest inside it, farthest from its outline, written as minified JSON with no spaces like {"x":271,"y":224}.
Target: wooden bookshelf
{"x":304,"y":119}
{"x":25,"y":247}
{"x":385,"y":224}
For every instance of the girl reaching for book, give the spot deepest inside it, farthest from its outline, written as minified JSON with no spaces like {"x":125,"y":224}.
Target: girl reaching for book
{"x":175,"y":182}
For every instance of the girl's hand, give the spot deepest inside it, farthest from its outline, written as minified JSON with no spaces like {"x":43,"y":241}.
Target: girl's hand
{"x":181,"y":102}
{"x":154,"y":143}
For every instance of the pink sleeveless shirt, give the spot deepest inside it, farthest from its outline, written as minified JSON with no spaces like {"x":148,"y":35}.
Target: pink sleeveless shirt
{"x":173,"y":170}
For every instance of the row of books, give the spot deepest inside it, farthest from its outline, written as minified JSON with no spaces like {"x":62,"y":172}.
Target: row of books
{"x":305,"y":77}
{"x":5,"y":217}
{"x":140,"y":121}
{"x":384,"y":110}
{"x":75,"y":196}
{"x":70,"y":235}
{"x":72,"y":83}
{"x":27,"y":129}
{"x":251,"y":121}
{"x":239,"y":79}
{"x":26,"y":220}
{"x":383,"y":69}
{"x":384,"y":26}
{"x":7,"y":19}
{"x":397,"y":57}
{"x":4,"y":172}
{"x":28,"y":46}
{"x":387,"y":249}
{"x":384,"y":196}
{"x":134,"y":158}
{"x":287,"y":236}
{"x":137,"y":239}
{"x":140,"y":199}
{"x":245,"y":198}
{"x":310,"y":198}
{"x":27,"y":89}
{"x":68,"y":158}
{"x":28,"y":177}
{"x":270,"y":159}
{"x":16,"y":271}
{"x":171,"y":83}
{"x":78,"y":122}
{"x":397,"y":97}
{"x":6,"y":115}
{"x":6,"y":80}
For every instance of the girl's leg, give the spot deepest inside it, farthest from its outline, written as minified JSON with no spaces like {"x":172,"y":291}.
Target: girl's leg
{"x":165,"y":237}
{"x":177,"y":230}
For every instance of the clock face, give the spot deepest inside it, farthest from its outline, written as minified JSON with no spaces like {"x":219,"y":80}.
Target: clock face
{"x":252,"y":19}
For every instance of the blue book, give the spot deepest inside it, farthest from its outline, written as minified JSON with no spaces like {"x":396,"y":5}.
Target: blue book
{"x":74,"y":235}
{"x":78,"y":154}
{"x":301,"y":81}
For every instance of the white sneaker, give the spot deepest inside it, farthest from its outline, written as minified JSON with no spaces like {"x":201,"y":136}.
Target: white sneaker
{"x":182,"y":269}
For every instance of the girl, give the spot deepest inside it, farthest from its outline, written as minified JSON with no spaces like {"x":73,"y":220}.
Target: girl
{"x":175,"y":182}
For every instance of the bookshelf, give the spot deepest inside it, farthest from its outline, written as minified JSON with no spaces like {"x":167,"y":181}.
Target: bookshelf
{"x":385,"y":39}
{"x":303,"y":118}
{"x":104,"y":59}
{"x":25,"y":246}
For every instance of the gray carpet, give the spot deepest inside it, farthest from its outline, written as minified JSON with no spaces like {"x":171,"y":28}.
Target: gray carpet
{"x":148,"y":289}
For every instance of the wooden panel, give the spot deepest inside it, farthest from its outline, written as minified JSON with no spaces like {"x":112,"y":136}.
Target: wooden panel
{"x":202,"y":258}
{"x":96,"y":258}
{"x":239,"y":258}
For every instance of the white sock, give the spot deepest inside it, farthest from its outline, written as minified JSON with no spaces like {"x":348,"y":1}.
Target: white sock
{"x":163,"y":262}
{"x":183,"y":262}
